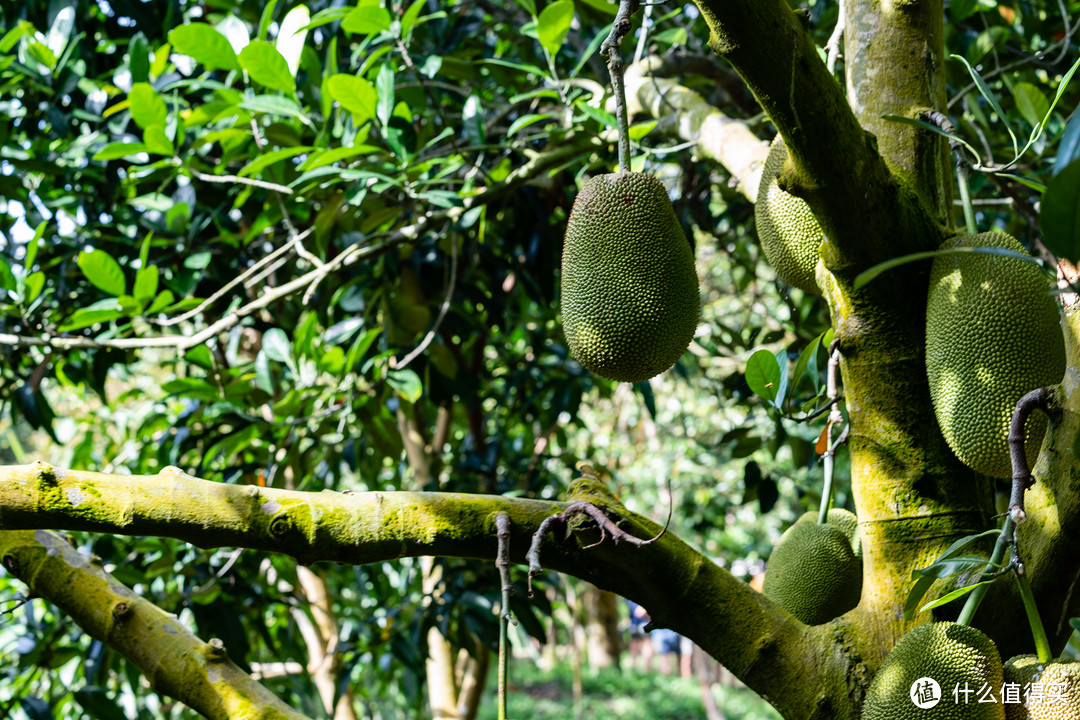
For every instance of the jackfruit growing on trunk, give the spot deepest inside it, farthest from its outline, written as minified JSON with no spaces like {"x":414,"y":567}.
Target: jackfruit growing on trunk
{"x":993,"y":334}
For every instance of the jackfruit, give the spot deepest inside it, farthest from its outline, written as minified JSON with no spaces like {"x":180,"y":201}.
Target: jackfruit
{"x":992,"y":335}
{"x":630,"y":300}
{"x":956,"y":657}
{"x":1046,"y":692}
{"x":843,"y":520}
{"x":789,"y":233}
{"x":813,"y":572}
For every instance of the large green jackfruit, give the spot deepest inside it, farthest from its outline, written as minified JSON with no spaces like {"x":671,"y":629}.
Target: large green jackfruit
{"x":813,"y":571}
{"x":630,"y":300}
{"x":993,"y":334}
{"x":1047,"y":692}
{"x":789,"y":233}
{"x":954,"y":656}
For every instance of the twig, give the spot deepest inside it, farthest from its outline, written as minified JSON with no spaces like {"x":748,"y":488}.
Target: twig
{"x":224,"y":290}
{"x":620,"y":28}
{"x":603,"y":523}
{"x":833,"y":45}
{"x":443,"y":309}
{"x":538,"y":164}
{"x":502,"y":561}
{"x":234,"y":179}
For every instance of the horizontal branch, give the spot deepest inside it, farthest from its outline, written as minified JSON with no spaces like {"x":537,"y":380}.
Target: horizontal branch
{"x":682,"y":589}
{"x":174,"y":661}
{"x":684,"y":113}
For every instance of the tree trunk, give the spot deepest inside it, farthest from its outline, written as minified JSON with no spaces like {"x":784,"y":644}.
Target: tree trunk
{"x":601,"y":618}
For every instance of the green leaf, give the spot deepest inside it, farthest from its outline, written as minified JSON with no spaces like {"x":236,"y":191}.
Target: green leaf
{"x":1031,"y":103}
{"x":263,"y":161}
{"x":946,"y":599}
{"x":266,"y":66}
{"x":1059,"y":216}
{"x":1069,"y":148}
{"x":157,"y":141}
{"x":984,"y":89}
{"x":146,"y":106}
{"x":355,"y":94}
{"x":276,"y":345}
{"x":33,"y":285}
{"x":554,"y":23}
{"x":408,"y":19}
{"x":763,"y":375}
{"x":265,"y":19}
{"x":366,"y":18}
{"x":117,"y":150}
{"x":384,"y":84}
{"x":101,"y":269}
{"x":7,"y":277}
{"x":329,"y":15}
{"x":867,"y":275}
{"x":525,"y":121}
{"x":277,"y":105}
{"x":204,"y":44}
{"x":86,"y":317}
{"x":146,"y":283}
{"x":962,"y":9}
{"x":291,"y":36}
{"x":640,"y":130}
{"x":360,"y":347}
{"x":406,"y":383}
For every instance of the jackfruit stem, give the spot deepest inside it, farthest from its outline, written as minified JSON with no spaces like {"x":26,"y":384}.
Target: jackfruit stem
{"x":620,"y":28}
{"x":1022,"y":480}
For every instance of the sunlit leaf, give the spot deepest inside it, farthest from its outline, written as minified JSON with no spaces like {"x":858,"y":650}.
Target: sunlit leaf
{"x":204,"y":44}
{"x":355,"y":94}
{"x":147,"y":107}
{"x":553,"y":24}
{"x":266,"y":66}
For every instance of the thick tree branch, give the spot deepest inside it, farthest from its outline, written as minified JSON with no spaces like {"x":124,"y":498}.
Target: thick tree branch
{"x":682,"y":589}
{"x":178,"y":664}
{"x":868,"y":214}
{"x":686,"y":115}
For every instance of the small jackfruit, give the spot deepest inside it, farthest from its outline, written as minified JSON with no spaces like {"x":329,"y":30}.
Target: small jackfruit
{"x":954,"y":656}
{"x":993,"y":334}
{"x":1046,"y":692}
{"x":813,"y":572}
{"x":789,"y":233}
{"x":630,"y":300}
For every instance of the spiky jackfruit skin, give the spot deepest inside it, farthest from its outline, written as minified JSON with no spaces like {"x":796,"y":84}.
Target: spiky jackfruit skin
{"x":993,"y":334}
{"x":948,"y":653}
{"x":789,"y":233}
{"x":843,"y":520}
{"x":630,"y":300}
{"x":1026,"y":670}
{"x":813,"y":573}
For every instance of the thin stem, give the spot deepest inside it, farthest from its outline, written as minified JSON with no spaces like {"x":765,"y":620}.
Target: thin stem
{"x":502,"y":561}
{"x":1042,"y":645}
{"x":835,"y":418}
{"x":965,"y":199}
{"x":1022,"y":480}
{"x":611,"y":47}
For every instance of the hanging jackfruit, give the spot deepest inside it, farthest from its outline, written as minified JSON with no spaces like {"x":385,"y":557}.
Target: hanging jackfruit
{"x":789,"y":233}
{"x":951,"y":655}
{"x":813,"y":571}
{"x":843,"y":520}
{"x":992,"y":335}
{"x":630,"y":300}
{"x":1047,"y":692}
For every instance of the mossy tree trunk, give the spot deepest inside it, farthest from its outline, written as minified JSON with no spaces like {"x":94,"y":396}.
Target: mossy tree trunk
{"x":882,"y":189}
